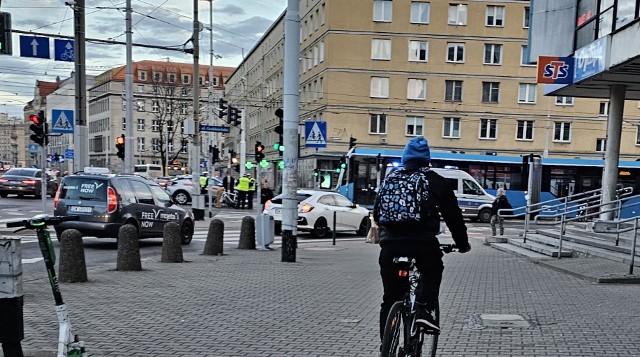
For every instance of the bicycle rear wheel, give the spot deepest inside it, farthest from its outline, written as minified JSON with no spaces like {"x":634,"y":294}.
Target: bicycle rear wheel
{"x":429,"y":342}
{"x":394,"y":338}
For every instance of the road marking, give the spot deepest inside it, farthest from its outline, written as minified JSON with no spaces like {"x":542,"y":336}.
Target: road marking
{"x":31,"y":260}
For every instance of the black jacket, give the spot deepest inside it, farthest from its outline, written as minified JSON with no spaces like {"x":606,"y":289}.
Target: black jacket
{"x":501,"y":202}
{"x":442,"y":201}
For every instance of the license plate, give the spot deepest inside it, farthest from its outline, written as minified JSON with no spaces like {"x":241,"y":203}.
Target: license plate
{"x":80,"y":209}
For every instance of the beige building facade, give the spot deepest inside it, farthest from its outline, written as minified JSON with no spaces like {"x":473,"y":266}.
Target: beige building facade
{"x":455,"y":72}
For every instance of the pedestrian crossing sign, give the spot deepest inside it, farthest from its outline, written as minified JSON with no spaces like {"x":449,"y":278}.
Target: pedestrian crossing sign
{"x":315,"y":134}
{"x":62,"y":121}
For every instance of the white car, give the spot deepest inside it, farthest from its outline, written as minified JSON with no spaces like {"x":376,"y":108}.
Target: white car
{"x":181,"y":188}
{"x":315,"y":213}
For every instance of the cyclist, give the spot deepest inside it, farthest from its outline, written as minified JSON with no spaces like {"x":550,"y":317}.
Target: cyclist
{"x":407,"y":210}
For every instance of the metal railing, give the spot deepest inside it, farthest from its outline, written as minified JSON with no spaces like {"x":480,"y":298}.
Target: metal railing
{"x":619,"y":230}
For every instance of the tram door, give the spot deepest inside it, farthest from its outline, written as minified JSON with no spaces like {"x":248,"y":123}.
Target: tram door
{"x":365,"y":183}
{"x":562,"y":186}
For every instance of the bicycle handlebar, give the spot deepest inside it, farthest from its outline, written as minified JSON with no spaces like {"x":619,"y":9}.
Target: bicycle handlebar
{"x":37,"y":221}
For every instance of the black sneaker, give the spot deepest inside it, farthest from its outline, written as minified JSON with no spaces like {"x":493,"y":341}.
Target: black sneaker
{"x":425,"y":319}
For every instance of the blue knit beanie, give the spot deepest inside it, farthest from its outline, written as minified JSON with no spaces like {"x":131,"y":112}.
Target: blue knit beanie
{"x":416,"y":149}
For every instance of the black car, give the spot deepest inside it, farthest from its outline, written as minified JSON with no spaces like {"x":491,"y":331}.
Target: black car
{"x":104,"y":202}
{"x":25,"y":181}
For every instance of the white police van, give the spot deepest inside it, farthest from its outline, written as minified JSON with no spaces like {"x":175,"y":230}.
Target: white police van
{"x":473,"y":200}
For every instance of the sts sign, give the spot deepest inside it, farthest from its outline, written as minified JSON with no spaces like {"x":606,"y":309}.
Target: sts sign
{"x":555,"y":70}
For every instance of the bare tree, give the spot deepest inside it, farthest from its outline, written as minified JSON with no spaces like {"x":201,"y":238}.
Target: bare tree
{"x":170,"y":106}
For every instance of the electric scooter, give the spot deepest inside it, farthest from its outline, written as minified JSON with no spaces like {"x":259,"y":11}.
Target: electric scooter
{"x":68,"y":344}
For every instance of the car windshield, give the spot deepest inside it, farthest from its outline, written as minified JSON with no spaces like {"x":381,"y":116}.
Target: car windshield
{"x":160,"y":194}
{"x":23,"y":172}
{"x":300,"y":196}
{"x":83,"y":188}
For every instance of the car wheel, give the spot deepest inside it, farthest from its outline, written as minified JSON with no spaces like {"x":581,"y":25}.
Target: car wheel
{"x":186,"y":232}
{"x":365,"y":224}
{"x":320,"y":228}
{"x":3,"y":195}
{"x":485,"y":215}
{"x":181,"y":197}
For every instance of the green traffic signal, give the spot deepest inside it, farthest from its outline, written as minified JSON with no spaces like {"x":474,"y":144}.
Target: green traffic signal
{"x":338,"y":170}
{"x":343,"y":165}
{"x":276,"y":146}
{"x":281,"y":164}
{"x":249,"y":165}
{"x":264,"y":164}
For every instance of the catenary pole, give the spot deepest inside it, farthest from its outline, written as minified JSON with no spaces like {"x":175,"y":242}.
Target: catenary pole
{"x":290,"y":131}
{"x":197,"y":200}
{"x":129,"y":155}
{"x":80,"y":140}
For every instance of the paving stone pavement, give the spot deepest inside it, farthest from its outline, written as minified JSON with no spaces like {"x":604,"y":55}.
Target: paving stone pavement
{"x":248,"y":303}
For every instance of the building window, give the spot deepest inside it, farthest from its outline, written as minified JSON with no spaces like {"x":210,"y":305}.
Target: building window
{"x":382,"y":10}
{"x":157,"y":76}
{"x":142,"y":75}
{"x":601,"y":144}
{"x":380,"y":49}
{"x":184,"y":92}
{"x":417,"y":89}
{"x":638,"y":135}
{"x":527,"y":93}
{"x":124,"y":123}
{"x":418,"y":51}
{"x":451,"y":128}
{"x":420,"y":12}
{"x":186,"y":79}
{"x":457,"y":14}
{"x":490,"y":92}
{"x":604,"y":109}
{"x":562,"y":131}
{"x":488,"y":128}
{"x":155,"y":125}
{"x":170,"y":145}
{"x":564,"y":100}
{"x":154,"y":106}
{"x":524,"y":56}
{"x":379,"y":87}
{"x":140,"y":88}
{"x":155,"y":144}
{"x":525,"y":22}
{"x":414,"y":126}
{"x":140,"y":105}
{"x":201,"y":80}
{"x":184,"y":107}
{"x":378,"y":124}
{"x":495,"y":16}
{"x":525,"y":130}
{"x":140,"y":142}
{"x":453,"y":91}
{"x":140,"y":124}
{"x":492,"y":53}
{"x":172,"y":77}
{"x":455,"y":52}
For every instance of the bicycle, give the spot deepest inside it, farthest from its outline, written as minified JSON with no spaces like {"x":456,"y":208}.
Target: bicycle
{"x":230,"y":199}
{"x":67,"y":346}
{"x":402,"y":338}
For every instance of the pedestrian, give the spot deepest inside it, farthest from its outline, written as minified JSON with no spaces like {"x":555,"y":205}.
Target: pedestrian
{"x":228,"y":182}
{"x":204,"y":181}
{"x":501,"y":202}
{"x":407,"y":211}
{"x":266,"y":194}
{"x":243,"y":189}
{"x":250,"y":193}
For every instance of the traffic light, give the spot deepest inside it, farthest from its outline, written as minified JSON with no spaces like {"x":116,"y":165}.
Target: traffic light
{"x":5,"y":33}
{"x":316,"y":172}
{"x":279,"y":129}
{"x":120,"y":146}
{"x":342,"y":165}
{"x":233,"y":116}
{"x":222,"y":108}
{"x":259,"y":152}
{"x":352,"y":142}
{"x":378,"y":161}
{"x":215,"y":153}
{"x":39,"y":128}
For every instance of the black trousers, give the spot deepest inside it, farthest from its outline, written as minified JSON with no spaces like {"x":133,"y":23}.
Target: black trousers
{"x":242,"y":196}
{"x":428,"y":258}
{"x":250,"y":199}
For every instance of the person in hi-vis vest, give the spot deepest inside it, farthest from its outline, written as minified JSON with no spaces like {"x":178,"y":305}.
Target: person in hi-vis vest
{"x":243,"y":189}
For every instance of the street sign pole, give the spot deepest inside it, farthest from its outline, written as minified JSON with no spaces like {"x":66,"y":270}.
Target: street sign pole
{"x":43,"y":178}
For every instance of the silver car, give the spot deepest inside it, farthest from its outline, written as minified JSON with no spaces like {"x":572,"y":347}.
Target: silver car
{"x":181,"y":188}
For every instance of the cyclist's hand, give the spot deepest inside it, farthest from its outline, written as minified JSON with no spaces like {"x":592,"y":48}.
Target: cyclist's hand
{"x":464,"y":248}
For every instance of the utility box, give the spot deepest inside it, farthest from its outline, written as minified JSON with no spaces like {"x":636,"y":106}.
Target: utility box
{"x":11,"y":299}
{"x":265,"y":230}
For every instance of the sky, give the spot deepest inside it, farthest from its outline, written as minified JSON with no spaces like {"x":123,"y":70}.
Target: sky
{"x":237,"y":26}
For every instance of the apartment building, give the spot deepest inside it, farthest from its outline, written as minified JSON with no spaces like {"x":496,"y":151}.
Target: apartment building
{"x":455,"y":72}
{"x":163,"y":101}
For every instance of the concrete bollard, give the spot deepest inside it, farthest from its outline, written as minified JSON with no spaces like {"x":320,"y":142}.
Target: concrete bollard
{"x":247,"y":233}
{"x":73,"y":268}
{"x":213,"y":245}
{"x":128,"y":249}
{"x":171,"y":243}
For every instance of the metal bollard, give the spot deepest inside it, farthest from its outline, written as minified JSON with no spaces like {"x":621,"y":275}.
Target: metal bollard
{"x":11,"y":297}
{"x":334,"y":228}
{"x":214,"y":244}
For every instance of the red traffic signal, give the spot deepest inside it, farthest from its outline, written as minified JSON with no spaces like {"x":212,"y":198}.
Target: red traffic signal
{"x":120,"y":146}
{"x":120,"y":140}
